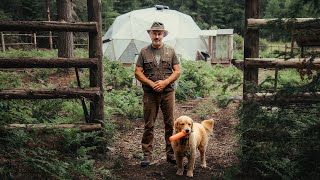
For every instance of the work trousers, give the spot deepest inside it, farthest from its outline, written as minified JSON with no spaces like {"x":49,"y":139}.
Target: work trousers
{"x":152,"y":101}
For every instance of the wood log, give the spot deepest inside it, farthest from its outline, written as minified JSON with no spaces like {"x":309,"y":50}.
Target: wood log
{"x":296,"y":23}
{"x":60,"y":26}
{"x":18,"y":35}
{"x":2,"y":42}
{"x":239,"y":64}
{"x":302,"y":63}
{"x":17,"y":44}
{"x":95,"y":51}
{"x":65,"y":93}
{"x":251,"y":45}
{"x":284,"y":98}
{"x":48,"y":62}
{"x":187,"y":106}
{"x":83,"y":127}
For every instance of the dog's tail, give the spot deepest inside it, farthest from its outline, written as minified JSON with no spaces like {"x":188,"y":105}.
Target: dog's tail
{"x":208,"y":125}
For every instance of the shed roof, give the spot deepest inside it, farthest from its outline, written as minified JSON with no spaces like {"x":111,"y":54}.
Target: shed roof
{"x":216,"y":32}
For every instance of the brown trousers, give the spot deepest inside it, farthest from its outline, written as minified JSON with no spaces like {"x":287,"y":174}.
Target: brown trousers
{"x":151,"y":103}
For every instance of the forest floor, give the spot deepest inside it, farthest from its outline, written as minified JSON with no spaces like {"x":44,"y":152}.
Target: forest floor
{"x":124,"y":156}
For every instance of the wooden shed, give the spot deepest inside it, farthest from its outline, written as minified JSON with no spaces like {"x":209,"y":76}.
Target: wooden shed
{"x":219,"y":44}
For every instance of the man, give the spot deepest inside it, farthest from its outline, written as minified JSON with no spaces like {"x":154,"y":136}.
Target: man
{"x":157,"y":68}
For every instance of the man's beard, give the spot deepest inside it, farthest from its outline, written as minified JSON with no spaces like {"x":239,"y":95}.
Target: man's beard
{"x":157,"y":42}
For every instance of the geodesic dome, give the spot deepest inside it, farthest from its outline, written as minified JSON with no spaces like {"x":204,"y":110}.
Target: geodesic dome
{"x":127,"y":35}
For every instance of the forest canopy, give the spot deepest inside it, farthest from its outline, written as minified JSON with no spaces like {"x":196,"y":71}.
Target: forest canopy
{"x":208,"y":14}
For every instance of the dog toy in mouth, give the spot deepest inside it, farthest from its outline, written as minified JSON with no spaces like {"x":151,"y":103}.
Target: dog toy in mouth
{"x":177,"y":136}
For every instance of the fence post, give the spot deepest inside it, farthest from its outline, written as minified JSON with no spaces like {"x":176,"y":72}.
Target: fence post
{"x":251,"y":45}
{"x":35,"y":40}
{"x":95,"y":51}
{"x":285,"y":51}
{"x":2,"y":43}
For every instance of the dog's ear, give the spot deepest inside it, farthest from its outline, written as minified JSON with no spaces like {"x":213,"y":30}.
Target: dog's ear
{"x":192,"y":126}
{"x":176,"y":126}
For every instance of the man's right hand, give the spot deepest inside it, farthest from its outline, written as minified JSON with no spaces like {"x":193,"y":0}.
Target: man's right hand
{"x":156,"y":87}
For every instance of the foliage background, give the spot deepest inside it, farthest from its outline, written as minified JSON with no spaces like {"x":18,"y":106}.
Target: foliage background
{"x":277,"y":142}
{"x":207,"y":14}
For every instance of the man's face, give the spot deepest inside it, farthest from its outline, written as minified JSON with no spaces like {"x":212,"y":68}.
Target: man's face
{"x":156,"y":38}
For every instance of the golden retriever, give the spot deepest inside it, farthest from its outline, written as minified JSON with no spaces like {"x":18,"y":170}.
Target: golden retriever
{"x":197,"y":138}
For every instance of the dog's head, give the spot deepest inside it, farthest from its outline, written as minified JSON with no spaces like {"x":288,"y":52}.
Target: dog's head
{"x":183,"y":124}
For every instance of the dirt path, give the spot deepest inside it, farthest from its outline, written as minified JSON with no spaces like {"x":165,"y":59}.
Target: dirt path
{"x":124,"y":156}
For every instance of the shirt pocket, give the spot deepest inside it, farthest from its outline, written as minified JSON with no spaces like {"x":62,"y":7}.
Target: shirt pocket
{"x":147,"y":65}
{"x":166,"y":62}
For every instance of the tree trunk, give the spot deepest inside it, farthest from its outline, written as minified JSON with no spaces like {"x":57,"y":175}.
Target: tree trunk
{"x":251,"y":45}
{"x":49,"y":19}
{"x":65,"y":39}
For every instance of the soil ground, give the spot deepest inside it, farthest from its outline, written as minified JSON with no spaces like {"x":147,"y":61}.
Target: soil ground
{"x":124,"y":155}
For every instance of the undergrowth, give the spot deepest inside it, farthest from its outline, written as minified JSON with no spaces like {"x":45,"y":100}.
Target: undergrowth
{"x":60,"y":154}
{"x":279,"y":142}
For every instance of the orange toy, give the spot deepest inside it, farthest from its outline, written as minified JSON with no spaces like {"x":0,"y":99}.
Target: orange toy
{"x":177,"y":136}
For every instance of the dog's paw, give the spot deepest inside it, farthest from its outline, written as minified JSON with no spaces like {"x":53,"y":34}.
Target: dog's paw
{"x":190,"y":173}
{"x":203,"y":165}
{"x":180,"y":172}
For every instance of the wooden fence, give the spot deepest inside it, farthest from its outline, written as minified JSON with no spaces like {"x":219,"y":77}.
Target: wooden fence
{"x":252,"y":61}
{"x":33,"y":41}
{"x":94,"y":63}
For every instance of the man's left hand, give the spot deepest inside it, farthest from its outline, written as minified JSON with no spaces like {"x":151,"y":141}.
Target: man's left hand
{"x":160,"y":85}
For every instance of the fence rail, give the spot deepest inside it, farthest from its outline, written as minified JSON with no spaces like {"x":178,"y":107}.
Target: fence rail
{"x":33,"y":42}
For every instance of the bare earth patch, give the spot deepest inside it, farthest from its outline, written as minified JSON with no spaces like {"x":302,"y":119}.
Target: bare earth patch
{"x":123,"y":158}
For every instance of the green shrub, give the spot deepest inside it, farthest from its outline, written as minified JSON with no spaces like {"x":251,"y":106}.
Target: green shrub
{"x":116,"y":75}
{"x":227,"y":79}
{"x":9,"y":80}
{"x":4,"y":16}
{"x":238,"y":39}
{"x":59,"y":154}
{"x":30,"y":53}
{"x":290,"y":78}
{"x":223,"y":100}
{"x":238,"y":49}
{"x":196,"y":80}
{"x":16,"y":111}
{"x":279,"y":142}
{"x":127,"y":102}
{"x":263,"y":43}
